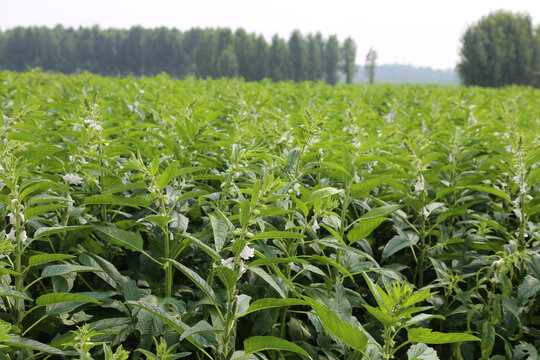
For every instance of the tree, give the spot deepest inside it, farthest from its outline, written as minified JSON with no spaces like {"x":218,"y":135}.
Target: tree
{"x":315,"y":60}
{"x":298,"y":51}
{"x":331,"y":60}
{"x":371,"y":64}
{"x":206,"y":54}
{"x":227,"y":64}
{"x":244,"y":48}
{"x":349,"y":57}
{"x":499,"y":50}
{"x":260,"y":60}
{"x":279,"y":59}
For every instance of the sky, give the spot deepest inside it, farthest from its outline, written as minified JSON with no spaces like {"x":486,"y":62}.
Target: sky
{"x":416,"y":32}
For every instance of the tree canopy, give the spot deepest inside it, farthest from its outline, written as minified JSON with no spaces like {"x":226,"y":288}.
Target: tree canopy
{"x":196,"y":52}
{"x":501,"y":49}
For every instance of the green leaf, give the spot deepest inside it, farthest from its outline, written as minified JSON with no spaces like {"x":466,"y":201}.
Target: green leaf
{"x":421,"y":352}
{"x":197,"y":280}
{"x":167,"y":175}
{"x":364,"y":229}
{"x":207,"y":249}
{"x":200,"y":327}
{"x":116,"y":200}
{"x":383,"y":317}
{"x":395,"y":244}
{"x":323,"y":193}
{"x":64,"y":269}
{"x":490,"y":190}
{"x":266,"y":277}
{"x":56,"y":298}
{"x":268,"y":261}
{"x":428,"y":336}
{"x":269,"y":303}
{"x":245,"y":213}
{"x":45,"y":258}
{"x":129,"y":240}
{"x":488,"y":339}
{"x":256,"y":344}
{"x":364,"y":187}
{"x":345,"y":332}
{"x":4,"y":291}
{"x":278,"y":235}
{"x":34,"y":345}
{"x":30,"y":212}
{"x":328,"y":261}
{"x":220,"y":230}
{"x":46,"y":231}
{"x":227,"y":276}
{"x":380,"y":212}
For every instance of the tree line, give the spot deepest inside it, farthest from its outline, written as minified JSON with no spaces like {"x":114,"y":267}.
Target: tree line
{"x":502,"y":48}
{"x":196,"y":52}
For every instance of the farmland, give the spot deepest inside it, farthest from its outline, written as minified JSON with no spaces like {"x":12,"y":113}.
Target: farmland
{"x":154,"y":218}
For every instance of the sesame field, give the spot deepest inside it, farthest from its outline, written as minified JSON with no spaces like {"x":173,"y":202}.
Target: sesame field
{"x":153,"y":218}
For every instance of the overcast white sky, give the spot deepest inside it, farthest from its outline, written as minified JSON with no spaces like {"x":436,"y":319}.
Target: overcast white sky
{"x":417,"y":32}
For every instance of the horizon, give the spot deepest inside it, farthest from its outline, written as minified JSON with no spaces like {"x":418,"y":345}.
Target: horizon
{"x":418,"y":33}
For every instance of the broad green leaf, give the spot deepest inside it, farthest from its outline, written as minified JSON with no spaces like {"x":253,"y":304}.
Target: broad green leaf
{"x":345,"y":332}
{"x":30,"y":212}
{"x":428,"y":336}
{"x":245,"y":213}
{"x":270,"y":303}
{"x":167,"y":175}
{"x":64,"y":269}
{"x":207,"y":249}
{"x":268,"y":261}
{"x":278,"y":235}
{"x":364,"y":229}
{"x":490,"y":190}
{"x":227,"y":276}
{"x":200,"y":327}
{"x":220,"y":231}
{"x":47,"y":231}
{"x":383,"y":317}
{"x":4,"y":291}
{"x":129,"y":240}
{"x":364,"y":187}
{"x":45,"y":258}
{"x":34,"y":345}
{"x":56,"y":298}
{"x":256,"y":344}
{"x":197,"y":280}
{"x":134,"y":202}
{"x":488,"y":339}
{"x":324,"y":192}
{"x":328,"y":261}
{"x":266,"y":277}
{"x":396,"y":244}
{"x":380,"y":212}
{"x":421,"y":352}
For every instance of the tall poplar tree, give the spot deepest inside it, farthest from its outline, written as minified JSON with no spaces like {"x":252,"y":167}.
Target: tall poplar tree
{"x":349,"y":57}
{"x":332,"y":57}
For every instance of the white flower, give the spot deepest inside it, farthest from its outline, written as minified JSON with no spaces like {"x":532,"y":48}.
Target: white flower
{"x":72,"y":178}
{"x":418,"y":186}
{"x":23,"y":237}
{"x":357,"y":144}
{"x":11,"y":218}
{"x":226,"y":262}
{"x":11,"y":235}
{"x":296,"y":188}
{"x":425,"y":212}
{"x":315,"y":225}
{"x":523,"y":189}
{"x":509,"y":149}
{"x":69,"y":200}
{"x":247,"y":253}
{"x":518,"y":213}
{"x":356,"y":178}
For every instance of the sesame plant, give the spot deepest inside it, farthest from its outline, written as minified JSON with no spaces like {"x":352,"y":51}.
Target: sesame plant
{"x":155,"y":218}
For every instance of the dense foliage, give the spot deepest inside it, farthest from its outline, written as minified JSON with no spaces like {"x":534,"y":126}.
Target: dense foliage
{"x":201,"y":52}
{"x":501,"y":49}
{"x":159,"y":219}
